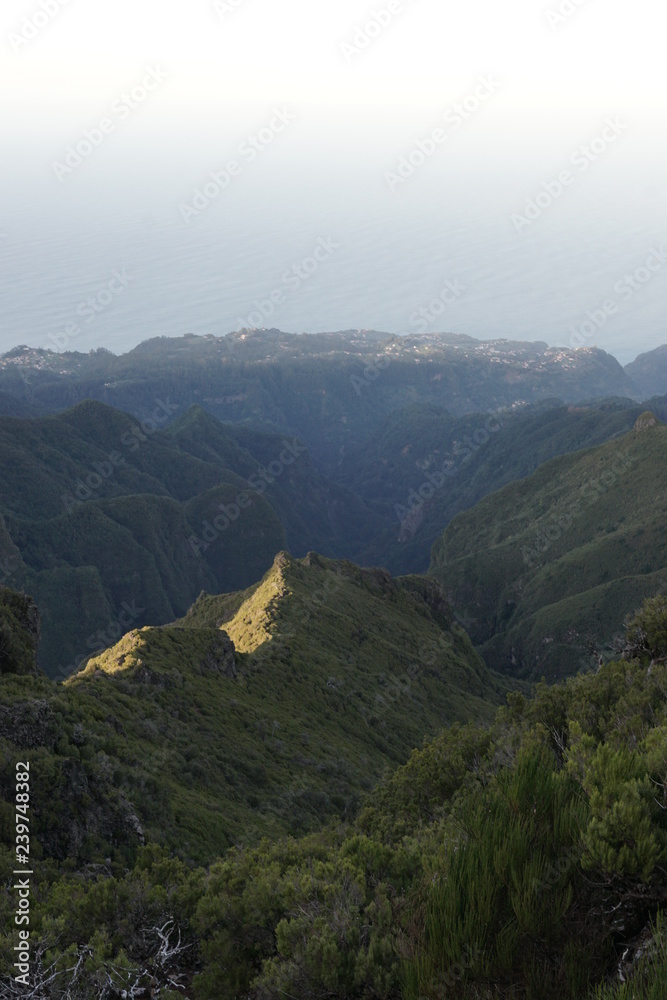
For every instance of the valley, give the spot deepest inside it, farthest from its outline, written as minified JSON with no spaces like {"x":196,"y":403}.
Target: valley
{"x":381,"y":443}
{"x":338,"y":663}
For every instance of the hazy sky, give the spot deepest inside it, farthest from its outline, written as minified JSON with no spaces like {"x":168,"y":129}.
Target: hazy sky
{"x":605,"y":53}
{"x":180,"y":85}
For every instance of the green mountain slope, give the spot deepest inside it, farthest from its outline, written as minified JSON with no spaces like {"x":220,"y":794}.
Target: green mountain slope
{"x":519,"y":859}
{"x":424,"y":465}
{"x":101,"y":513}
{"x":314,"y":511}
{"x":525,"y":859}
{"x":329,"y":389}
{"x":333,"y":675}
{"x":541,"y":570}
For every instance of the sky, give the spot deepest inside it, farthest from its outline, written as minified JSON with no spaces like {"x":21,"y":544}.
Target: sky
{"x":221,"y":52}
{"x":163,"y":93}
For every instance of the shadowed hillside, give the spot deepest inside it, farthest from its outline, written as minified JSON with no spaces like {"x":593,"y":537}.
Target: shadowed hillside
{"x":541,"y":571}
{"x":525,"y":856}
{"x":114,"y":523}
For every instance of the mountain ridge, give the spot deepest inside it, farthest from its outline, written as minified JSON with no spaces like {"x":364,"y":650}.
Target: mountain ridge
{"x":539,"y":570}
{"x":100,"y":510}
{"x":333,"y":674}
{"x":320,"y":387}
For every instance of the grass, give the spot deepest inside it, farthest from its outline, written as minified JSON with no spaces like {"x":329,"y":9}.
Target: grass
{"x":543,"y":570}
{"x":338,"y":673}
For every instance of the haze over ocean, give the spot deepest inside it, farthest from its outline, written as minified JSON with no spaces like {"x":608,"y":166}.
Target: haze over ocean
{"x":349,"y":160}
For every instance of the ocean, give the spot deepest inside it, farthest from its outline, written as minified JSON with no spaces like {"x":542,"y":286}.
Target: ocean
{"x":327,"y":235}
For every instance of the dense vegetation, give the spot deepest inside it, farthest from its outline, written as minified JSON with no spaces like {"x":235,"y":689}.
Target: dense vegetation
{"x":423,"y":466}
{"x":522,"y":859}
{"x":331,"y":389}
{"x":112,"y":524}
{"x":115,"y":521}
{"x":19,"y":633}
{"x":541,"y":571}
{"x":322,"y":677}
{"x":231,"y":806}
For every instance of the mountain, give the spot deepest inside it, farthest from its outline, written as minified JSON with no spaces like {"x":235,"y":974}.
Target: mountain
{"x":113,"y":523}
{"x":316,"y":513}
{"x":519,"y":859}
{"x":541,"y":571}
{"x":525,"y":855}
{"x":649,"y":372}
{"x":291,"y":775}
{"x":11,"y":406}
{"x":330,"y":390}
{"x":423,"y":465}
{"x":259,"y":713}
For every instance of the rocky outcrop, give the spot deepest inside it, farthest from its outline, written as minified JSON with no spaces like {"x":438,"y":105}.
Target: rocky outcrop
{"x":644,"y":421}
